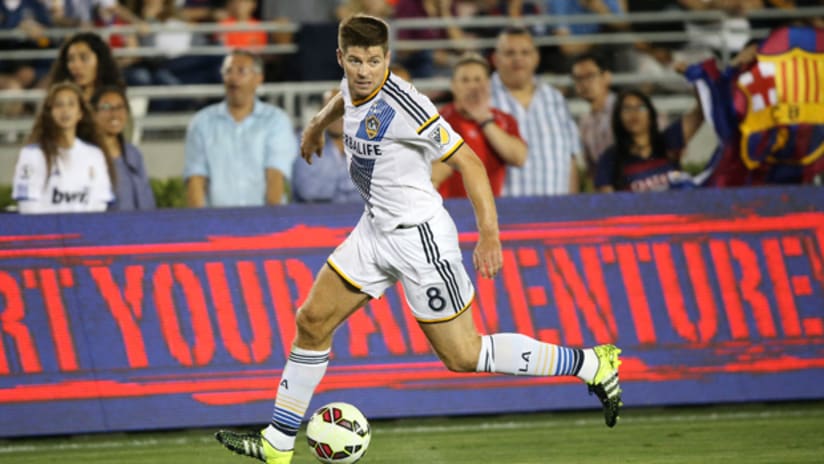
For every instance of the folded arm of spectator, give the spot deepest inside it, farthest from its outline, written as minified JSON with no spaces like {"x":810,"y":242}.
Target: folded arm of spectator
{"x":275,"y":186}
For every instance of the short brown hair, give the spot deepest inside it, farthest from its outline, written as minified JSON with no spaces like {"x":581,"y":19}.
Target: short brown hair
{"x":471,"y":58}
{"x":363,"y":31}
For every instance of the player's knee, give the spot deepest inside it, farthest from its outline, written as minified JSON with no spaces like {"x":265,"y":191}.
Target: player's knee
{"x":311,"y":326}
{"x":460,"y":362}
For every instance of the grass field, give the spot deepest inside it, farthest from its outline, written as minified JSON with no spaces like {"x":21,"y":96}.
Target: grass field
{"x":773,"y":433}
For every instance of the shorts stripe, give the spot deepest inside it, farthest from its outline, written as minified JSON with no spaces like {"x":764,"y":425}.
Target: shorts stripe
{"x":342,"y":275}
{"x":448,"y":277}
{"x":448,"y":269}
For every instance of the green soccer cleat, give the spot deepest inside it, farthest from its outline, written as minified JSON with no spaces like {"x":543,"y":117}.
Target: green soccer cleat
{"x":253,"y":445}
{"x":605,"y":384}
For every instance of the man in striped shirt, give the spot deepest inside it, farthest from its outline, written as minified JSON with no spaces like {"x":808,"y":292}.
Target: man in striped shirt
{"x":543,"y":118}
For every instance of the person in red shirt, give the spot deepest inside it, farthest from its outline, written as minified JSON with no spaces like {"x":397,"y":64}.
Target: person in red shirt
{"x":490,"y":132}
{"x":240,"y":12}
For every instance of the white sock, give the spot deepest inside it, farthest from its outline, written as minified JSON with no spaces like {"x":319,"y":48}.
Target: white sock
{"x":517,"y":354}
{"x":301,"y":375}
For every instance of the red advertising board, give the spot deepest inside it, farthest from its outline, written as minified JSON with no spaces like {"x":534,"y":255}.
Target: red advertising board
{"x":183,"y":318}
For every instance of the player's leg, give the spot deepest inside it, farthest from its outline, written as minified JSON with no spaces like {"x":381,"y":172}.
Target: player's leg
{"x":440,"y":292}
{"x":462,"y":349}
{"x":330,"y":301}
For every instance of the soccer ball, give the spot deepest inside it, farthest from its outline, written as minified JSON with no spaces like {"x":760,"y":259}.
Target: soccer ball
{"x":338,"y":433}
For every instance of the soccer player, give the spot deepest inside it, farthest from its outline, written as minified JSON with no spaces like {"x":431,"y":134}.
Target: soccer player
{"x":392,"y":133}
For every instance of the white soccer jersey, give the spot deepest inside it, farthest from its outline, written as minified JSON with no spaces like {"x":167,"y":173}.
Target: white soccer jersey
{"x":391,"y":139}
{"x":79,"y":180}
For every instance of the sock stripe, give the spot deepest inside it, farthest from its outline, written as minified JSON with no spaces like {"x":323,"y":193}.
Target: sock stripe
{"x":290,"y":402}
{"x":554,"y":351}
{"x":578,"y":361}
{"x":309,"y":358}
{"x":282,"y":419}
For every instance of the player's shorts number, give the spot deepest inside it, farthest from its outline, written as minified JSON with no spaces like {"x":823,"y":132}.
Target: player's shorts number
{"x":436,"y":301}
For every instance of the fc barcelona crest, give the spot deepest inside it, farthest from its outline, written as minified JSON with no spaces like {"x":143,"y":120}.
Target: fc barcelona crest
{"x":372,"y":125}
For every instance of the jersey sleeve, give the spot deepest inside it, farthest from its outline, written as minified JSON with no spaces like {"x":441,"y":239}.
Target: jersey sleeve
{"x":427,"y":126}
{"x":29,"y":175}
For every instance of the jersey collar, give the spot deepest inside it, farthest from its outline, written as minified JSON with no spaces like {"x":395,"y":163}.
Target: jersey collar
{"x":374,"y":92}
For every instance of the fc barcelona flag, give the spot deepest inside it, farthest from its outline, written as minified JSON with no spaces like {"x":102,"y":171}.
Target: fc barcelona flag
{"x":770,"y":116}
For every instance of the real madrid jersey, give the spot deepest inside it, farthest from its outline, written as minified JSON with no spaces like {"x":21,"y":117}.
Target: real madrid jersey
{"x":79,"y":180}
{"x":391,"y":139}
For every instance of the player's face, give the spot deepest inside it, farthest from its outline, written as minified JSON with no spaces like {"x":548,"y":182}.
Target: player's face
{"x":634,"y":115}
{"x":65,"y":110}
{"x":111,"y":113}
{"x":82,"y":64}
{"x":470,"y":83}
{"x":240,"y":79}
{"x":591,"y":82}
{"x":516,"y":59}
{"x":364,"y":68}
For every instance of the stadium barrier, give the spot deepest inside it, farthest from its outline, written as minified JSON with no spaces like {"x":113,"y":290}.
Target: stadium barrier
{"x":132,"y":321}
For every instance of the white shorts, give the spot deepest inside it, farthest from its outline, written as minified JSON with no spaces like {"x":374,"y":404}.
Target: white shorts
{"x":426,"y":259}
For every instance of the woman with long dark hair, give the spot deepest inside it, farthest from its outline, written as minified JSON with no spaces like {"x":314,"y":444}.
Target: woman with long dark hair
{"x":63,"y":168}
{"x":86,"y":59}
{"x":112,"y":114}
{"x":643,"y":158}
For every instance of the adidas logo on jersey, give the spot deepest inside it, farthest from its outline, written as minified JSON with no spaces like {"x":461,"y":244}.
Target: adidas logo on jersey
{"x":81,"y":196}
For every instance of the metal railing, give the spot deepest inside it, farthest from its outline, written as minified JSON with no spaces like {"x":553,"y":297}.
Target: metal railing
{"x":298,"y":97}
{"x":428,"y":23}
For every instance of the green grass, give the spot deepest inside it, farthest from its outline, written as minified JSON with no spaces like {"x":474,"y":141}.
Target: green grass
{"x":776,"y":433}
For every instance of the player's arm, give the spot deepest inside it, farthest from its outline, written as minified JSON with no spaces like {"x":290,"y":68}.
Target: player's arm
{"x":312,"y":140}
{"x":440,"y":172}
{"x":511,"y":149}
{"x":487,"y":257}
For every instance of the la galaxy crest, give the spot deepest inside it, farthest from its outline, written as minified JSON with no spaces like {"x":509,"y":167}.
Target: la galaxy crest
{"x":372,"y":125}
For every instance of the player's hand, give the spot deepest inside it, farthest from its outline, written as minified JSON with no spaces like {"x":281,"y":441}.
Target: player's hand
{"x":488,"y":258}
{"x":311,"y":144}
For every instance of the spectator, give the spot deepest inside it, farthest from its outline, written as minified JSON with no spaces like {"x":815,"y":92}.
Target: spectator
{"x":63,"y":169}
{"x":112,"y":115}
{"x":492,"y":134}
{"x":563,"y":8}
{"x":543,"y":119}
{"x":29,"y":19}
{"x":327,"y":179}
{"x":86,"y":60}
{"x":239,"y":152}
{"x":377,"y":8}
{"x":318,"y":30}
{"x":513,"y":9}
{"x":657,"y":60}
{"x":643,"y":159}
{"x":730,"y":34}
{"x":240,"y":13}
{"x":427,"y":63}
{"x":592,"y":80}
{"x":84,"y":13}
{"x":175,"y":66}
